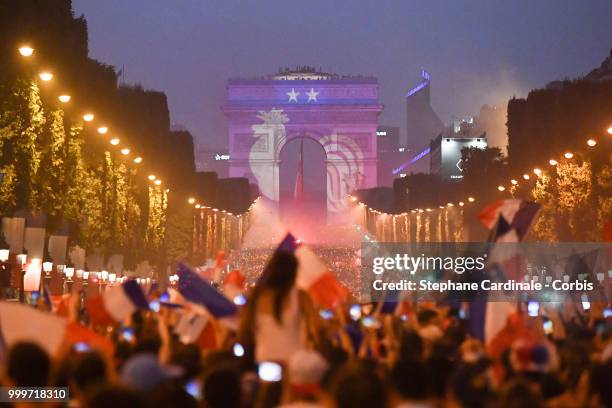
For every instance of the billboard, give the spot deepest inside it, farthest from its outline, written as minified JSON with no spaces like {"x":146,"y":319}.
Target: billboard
{"x":446,"y":157}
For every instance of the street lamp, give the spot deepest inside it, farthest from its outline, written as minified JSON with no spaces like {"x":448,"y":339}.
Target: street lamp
{"x":568,"y":155}
{"x":79,"y":273}
{"x":114,"y":141}
{"x":591,"y":142}
{"x":47,"y":267}
{"x":26,"y":51}
{"x":537,"y":172}
{"x":102,"y":130}
{"x":514,"y":182}
{"x":501,"y":188}
{"x":64,"y":98}
{"x":22,"y":258}
{"x":46,"y":76}
{"x":125,"y":151}
{"x":112,"y":277}
{"x":151,"y":177}
{"x":553,"y":162}
{"x":69,"y":272}
{"x":526,"y":176}
{"x":104,"y":276}
{"x":138,"y":160}
{"x":158,"y":182}
{"x":610,"y":130}
{"x":191,"y":200}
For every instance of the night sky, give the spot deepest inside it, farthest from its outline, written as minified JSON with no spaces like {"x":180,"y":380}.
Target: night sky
{"x":476,"y":51}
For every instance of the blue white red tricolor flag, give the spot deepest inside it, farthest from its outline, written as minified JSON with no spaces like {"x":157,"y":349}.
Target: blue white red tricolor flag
{"x":117,"y":303}
{"x":509,"y":222}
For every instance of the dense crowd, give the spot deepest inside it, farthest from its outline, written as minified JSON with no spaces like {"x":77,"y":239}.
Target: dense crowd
{"x":282,"y":350}
{"x":343,"y":261}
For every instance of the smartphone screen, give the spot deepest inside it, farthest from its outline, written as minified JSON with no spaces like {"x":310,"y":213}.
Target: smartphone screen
{"x":127,"y":334}
{"x":269,"y":371}
{"x":533,"y":309}
{"x":81,"y":347}
{"x":194,"y":388}
{"x":326,"y":314}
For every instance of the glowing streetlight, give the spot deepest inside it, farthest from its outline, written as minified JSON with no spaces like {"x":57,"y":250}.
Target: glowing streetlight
{"x":537,"y":172}
{"x":138,"y":160}
{"x":501,"y":188}
{"x":553,"y":162}
{"x":88,"y":117}
{"x":64,"y":98}
{"x":157,"y":182}
{"x":471,"y":199}
{"x":197,"y":206}
{"x":526,"y":176}
{"x":125,"y":151}
{"x":26,"y":51}
{"x":568,"y":155}
{"x":610,"y":130}
{"x":46,"y":76}
{"x":450,"y":204}
{"x":461,"y":203}
{"x":114,"y":141}
{"x":191,"y":200}
{"x":591,"y":142}
{"x":514,"y":182}
{"x":152,"y":177}
{"x":102,"y":130}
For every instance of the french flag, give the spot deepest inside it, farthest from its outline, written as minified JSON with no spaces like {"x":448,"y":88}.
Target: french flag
{"x":196,"y":327}
{"x":117,"y":303}
{"x":313,"y":276}
{"x":19,"y":322}
{"x":509,"y":222}
{"x":199,"y":292}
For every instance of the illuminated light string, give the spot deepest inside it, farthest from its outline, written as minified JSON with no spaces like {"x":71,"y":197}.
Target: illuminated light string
{"x":26,"y":51}
{"x":537,"y":171}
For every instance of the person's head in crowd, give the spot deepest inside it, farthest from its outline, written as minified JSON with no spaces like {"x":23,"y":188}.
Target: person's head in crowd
{"x":222,"y":389}
{"x":411,"y":346}
{"x":470,"y":386}
{"x":356,"y":386}
{"x":28,"y":365}
{"x":187,"y":356}
{"x":305,"y":372}
{"x":115,"y":396}
{"x":172,"y":395}
{"x":520,"y":394}
{"x":410,"y":383}
{"x":472,"y":351}
{"x":144,"y":372}
{"x":601,"y":392}
{"x":429,"y":330}
{"x":88,"y":370}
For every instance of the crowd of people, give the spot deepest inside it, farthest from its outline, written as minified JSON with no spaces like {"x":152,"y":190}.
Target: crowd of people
{"x":344,"y":261}
{"x":283,"y":350}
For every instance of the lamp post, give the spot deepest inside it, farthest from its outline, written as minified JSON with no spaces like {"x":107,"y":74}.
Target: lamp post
{"x":69,"y":273}
{"x":47,"y":267}
{"x":103,"y":279}
{"x":5,"y":267}
{"x":22,"y":258}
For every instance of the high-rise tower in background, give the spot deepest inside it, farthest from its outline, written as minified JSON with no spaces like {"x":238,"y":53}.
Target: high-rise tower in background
{"x":422,"y":122}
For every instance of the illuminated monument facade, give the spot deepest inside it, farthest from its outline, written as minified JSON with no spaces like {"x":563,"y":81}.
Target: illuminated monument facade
{"x":340,"y":113}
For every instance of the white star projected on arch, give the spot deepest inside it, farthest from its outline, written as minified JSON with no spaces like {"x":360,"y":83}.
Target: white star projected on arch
{"x":312,"y":95}
{"x":293,"y":95}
